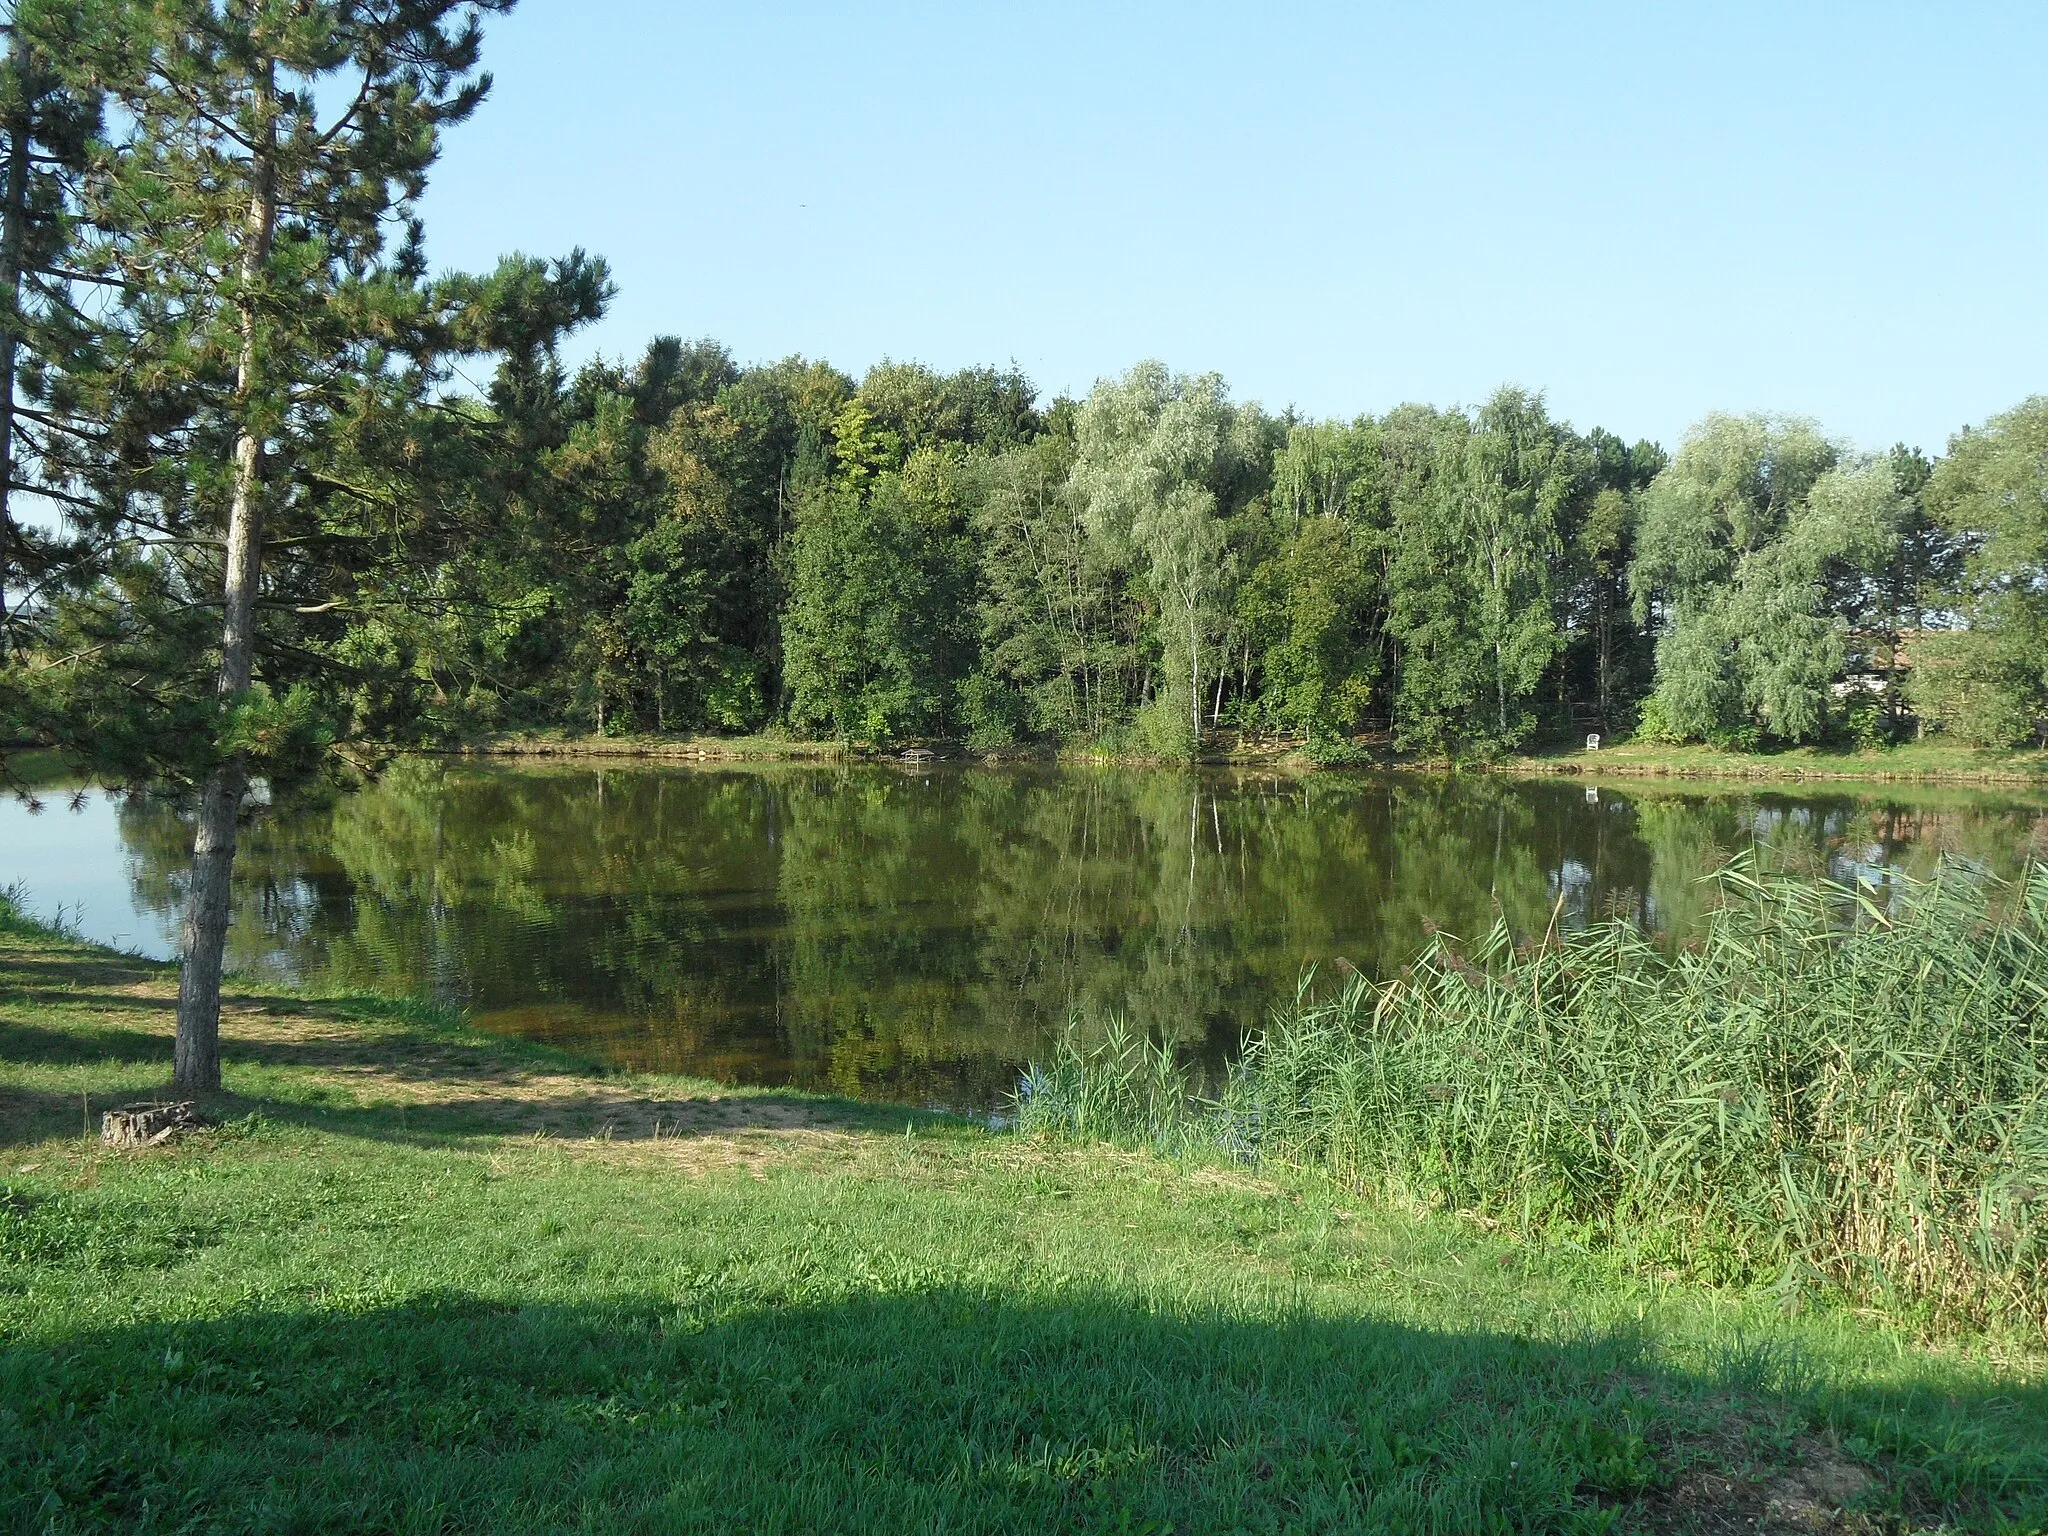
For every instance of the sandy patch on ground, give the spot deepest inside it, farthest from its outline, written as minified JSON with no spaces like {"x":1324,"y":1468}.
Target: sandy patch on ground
{"x":413,"y":1080}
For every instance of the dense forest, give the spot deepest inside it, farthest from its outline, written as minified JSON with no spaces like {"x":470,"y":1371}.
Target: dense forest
{"x":685,"y":544}
{"x":255,"y":514}
{"x":696,"y":545}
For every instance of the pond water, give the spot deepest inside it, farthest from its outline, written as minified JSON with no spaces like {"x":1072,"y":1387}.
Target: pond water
{"x":916,"y":935}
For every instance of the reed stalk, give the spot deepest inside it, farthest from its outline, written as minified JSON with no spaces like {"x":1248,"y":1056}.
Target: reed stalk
{"x":1822,"y":1088}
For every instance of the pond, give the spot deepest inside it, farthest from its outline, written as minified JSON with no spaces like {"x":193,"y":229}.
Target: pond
{"x":916,"y":935}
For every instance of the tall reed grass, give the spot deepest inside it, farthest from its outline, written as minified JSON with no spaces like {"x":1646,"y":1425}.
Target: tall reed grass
{"x":1817,"y":1089}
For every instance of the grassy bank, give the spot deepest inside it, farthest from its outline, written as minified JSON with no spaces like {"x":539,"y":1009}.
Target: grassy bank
{"x":419,"y":1279}
{"x":1936,"y":760}
{"x":690,"y":748}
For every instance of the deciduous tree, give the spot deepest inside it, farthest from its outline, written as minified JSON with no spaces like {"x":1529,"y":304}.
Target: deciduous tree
{"x":1988,"y":681}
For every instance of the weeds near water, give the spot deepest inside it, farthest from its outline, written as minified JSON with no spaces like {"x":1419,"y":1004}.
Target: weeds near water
{"x":16,"y":918}
{"x":1124,"y":1087}
{"x":1816,"y":1091}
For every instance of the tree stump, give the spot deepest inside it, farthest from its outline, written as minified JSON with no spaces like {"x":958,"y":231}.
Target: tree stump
{"x":148,"y":1125}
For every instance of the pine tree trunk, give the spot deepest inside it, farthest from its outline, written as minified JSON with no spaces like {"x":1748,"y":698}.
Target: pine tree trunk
{"x":197,"y":1056}
{"x":213,"y":850}
{"x":19,"y":128}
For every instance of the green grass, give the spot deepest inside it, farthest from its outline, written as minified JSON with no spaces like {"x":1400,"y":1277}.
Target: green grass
{"x":421,"y":1280}
{"x":760,"y":747}
{"x":1934,"y":760}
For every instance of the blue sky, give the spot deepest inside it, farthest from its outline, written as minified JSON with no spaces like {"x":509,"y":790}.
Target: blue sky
{"x":1647,"y":211}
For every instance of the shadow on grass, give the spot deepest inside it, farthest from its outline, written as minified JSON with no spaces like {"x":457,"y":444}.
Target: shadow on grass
{"x":426,"y":1078}
{"x":941,"y":1409}
{"x":87,"y":1045}
{"x":426,"y":1084}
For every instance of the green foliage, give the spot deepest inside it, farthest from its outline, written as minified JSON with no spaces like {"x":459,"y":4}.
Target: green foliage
{"x":1058,"y":631}
{"x":1161,"y":462}
{"x":1815,"y":1088}
{"x":1989,"y":681}
{"x":51,"y":110}
{"x":1313,"y":609}
{"x":1607,"y":656}
{"x":876,"y":636}
{"x":1475,"y":541}
{"x":287,"y":359}
{"x":1760,"y":547}
{"x":915,"y":408}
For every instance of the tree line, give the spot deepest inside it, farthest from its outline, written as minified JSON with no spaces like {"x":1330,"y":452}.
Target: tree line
{"x":252,"y":512}
{"x":694,"y":545}
{"x":685,"y":544}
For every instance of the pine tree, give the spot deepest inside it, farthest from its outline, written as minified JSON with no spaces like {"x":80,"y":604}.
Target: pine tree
{"x":49,"y":117}
{"x":274,"y":148}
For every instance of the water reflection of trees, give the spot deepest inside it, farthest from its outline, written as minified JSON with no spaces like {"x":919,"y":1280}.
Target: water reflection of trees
{"x":891,"y":933}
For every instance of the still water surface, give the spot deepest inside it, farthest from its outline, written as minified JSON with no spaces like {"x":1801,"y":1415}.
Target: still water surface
{"x":917,"y":935}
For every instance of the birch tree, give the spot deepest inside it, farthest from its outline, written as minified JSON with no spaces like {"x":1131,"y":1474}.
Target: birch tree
{"x":1150,"y":449}
{"x":1476,"y":548}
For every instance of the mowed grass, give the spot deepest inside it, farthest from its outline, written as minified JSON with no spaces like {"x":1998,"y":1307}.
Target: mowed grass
{"x":419,"y":1280}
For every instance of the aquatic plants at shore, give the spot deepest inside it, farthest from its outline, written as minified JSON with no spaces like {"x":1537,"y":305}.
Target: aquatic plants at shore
{"x":1822,"y":1088}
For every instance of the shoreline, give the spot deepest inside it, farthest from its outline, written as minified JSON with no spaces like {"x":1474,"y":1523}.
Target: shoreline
{"x":768,"y":749}
{"x":1955,"y":767}
{"x":1912,"y":764}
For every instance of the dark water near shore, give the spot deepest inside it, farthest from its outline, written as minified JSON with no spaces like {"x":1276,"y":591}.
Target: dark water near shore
{"x":917,"y":935}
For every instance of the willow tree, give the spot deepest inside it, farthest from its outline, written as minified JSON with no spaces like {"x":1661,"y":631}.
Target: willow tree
{"x":1152,"y":451}
{"x":1752,"y":546}
{"x":274,"y":149}
{"x":1988,"y":680}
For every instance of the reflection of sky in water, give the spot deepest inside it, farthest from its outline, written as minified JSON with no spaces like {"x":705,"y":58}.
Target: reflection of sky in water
{"x":73,"y":865}
{"x":1860,"y":866}
{"x":1574,"y":882}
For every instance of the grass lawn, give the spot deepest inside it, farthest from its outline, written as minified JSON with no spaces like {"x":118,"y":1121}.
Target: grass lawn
{"x":1936,"y":760}
{"x":419,"y":1280}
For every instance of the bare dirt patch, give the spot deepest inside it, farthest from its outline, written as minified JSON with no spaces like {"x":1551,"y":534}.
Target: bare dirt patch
{"x":458,"y":1086}
{"x":754,"y":1151}
{"x":1810,"y":1496}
